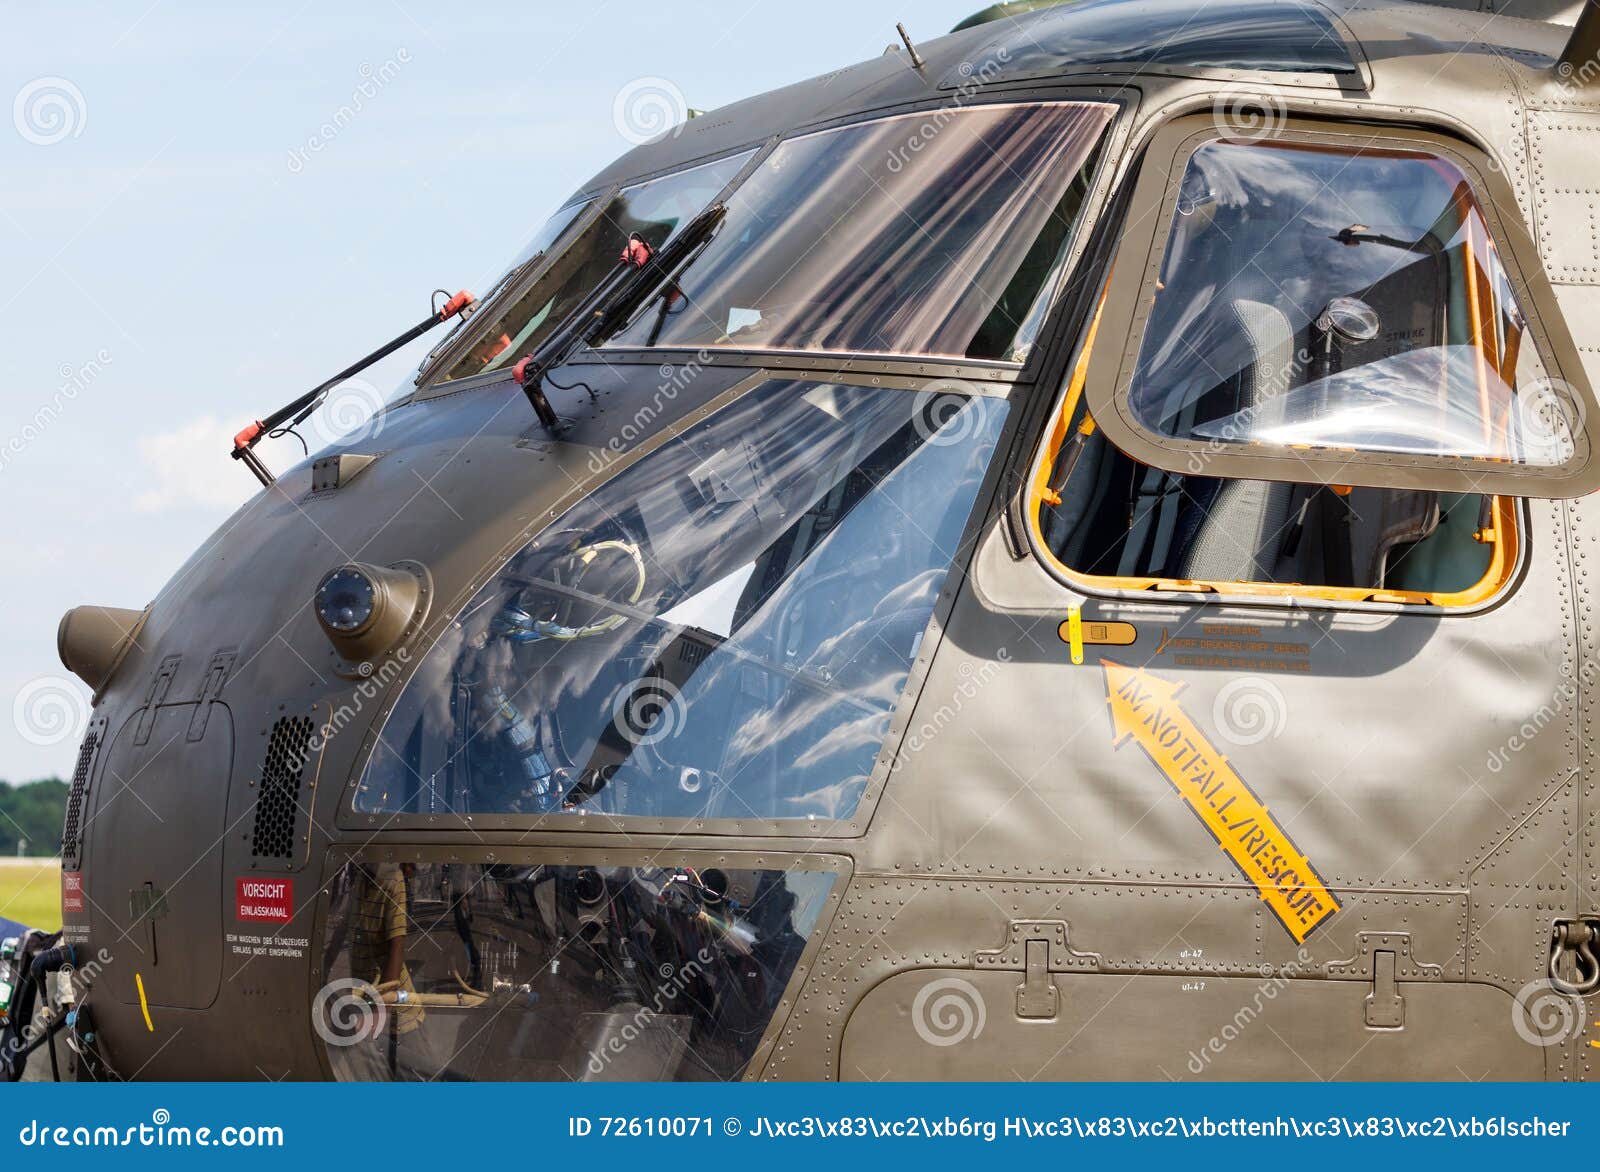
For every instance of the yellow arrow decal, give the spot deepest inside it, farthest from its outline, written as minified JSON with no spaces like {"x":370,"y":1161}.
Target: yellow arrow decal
{"x":1145,"y":707}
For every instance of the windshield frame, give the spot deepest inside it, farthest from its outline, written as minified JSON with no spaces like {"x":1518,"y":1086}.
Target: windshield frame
{"x":1102,"y":176}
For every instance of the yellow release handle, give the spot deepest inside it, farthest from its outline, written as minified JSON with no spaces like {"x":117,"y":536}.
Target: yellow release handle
{"x":1075,"y":632}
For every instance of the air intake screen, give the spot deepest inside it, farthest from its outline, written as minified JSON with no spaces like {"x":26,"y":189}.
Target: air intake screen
{"x":72,"y":830}
{"x":278,"y":804}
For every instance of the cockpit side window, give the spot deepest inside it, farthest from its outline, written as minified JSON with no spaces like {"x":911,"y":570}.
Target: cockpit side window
{"x":1112,"y":522}
{"x":1336,"y":310}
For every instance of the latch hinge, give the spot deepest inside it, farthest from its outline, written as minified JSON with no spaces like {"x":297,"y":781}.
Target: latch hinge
{"x":1037,"y":948}
{"x":210,"y":691}
{"x":1386,"y":1009}
{"x":1037,"y":996}
{"x":146,"y":905}
{"x":1385,"y":960}
{"x":155,"y":697}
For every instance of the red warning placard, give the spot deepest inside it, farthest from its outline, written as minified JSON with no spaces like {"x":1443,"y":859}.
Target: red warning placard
{"x":71,"y":892}
{"x":270,"y":900}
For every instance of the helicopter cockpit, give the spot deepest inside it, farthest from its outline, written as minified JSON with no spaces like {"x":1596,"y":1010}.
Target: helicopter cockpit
{"x":607,"y":757}
{"x":723,"y":629}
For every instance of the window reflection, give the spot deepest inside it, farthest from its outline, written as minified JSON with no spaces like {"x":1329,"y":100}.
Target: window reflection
{"x":721,"y":631}
{"x":583,"y":973}
{"x":1256,"y":35}
{"x":933,"y":233}
{"x":1317,"y":296}
{"x":654,"y":209}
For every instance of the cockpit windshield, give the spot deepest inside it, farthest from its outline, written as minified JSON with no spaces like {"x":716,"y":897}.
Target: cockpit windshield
{"x":935,"y":233}
{"x":941,"y":233}
{"x":588,"y":248}
{"x":723,"y":630}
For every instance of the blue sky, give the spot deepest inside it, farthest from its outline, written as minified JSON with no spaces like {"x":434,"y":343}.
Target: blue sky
{"x":185,"y":244}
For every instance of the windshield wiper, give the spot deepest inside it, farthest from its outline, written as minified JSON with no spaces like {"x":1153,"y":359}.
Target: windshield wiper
{"x":286,"y":418}
{"x":612,"y":303}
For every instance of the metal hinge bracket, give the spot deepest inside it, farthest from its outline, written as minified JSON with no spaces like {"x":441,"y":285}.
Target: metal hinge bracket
{"x":210,"y":691}
{"x":155,"y":697}
{"x":1384,"y":959}
{"x":1037,"y":948}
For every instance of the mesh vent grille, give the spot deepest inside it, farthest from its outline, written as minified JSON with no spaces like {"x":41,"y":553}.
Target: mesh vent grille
{"x":70,"y":832}
{"x":278,"y":804}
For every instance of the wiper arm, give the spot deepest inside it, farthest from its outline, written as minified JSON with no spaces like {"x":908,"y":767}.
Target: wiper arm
{"x":291,"y":415}
{"x":612,"y":303}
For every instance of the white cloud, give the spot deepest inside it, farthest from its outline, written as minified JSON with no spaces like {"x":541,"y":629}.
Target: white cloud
{"x":190,"y":469}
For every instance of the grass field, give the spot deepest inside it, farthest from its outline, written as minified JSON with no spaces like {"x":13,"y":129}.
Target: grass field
{"x":30,"y":892}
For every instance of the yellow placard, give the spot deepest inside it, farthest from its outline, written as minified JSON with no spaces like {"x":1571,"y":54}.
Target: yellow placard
{"x":1145,"y":708}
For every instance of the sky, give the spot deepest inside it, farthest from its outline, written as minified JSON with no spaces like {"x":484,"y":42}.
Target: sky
{"x":207,"y":209}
